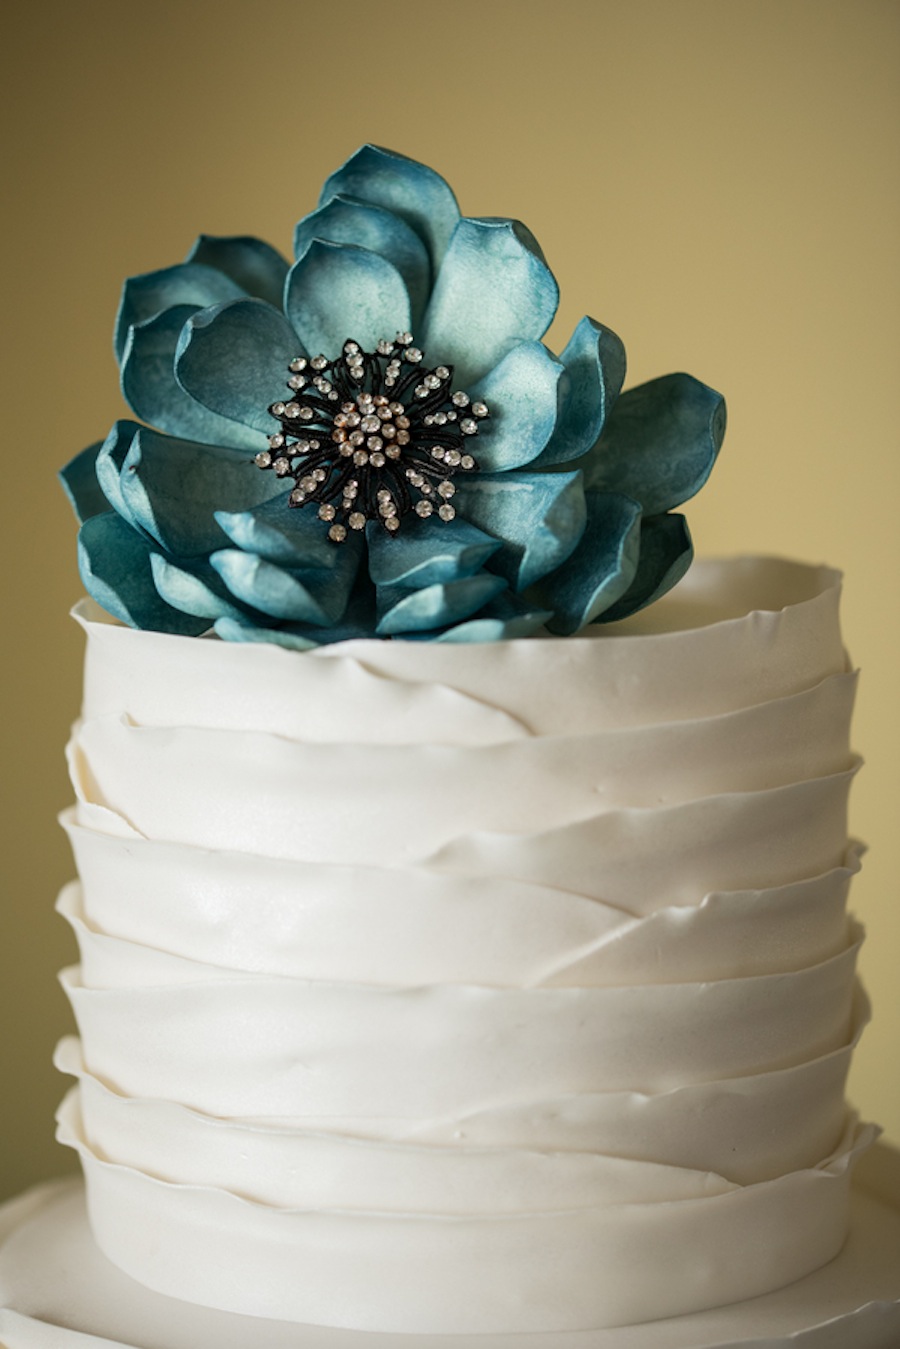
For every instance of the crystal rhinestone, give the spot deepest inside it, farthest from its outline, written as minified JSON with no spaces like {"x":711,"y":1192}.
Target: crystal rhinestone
{"x":309,"y":444}
{"x":442,"y":372}
{"x":333,"y":396}
{"x":424,"y":508}
{"x":308,"y":483}
{"x":428,"y":421}
{"x":319,"y":474}
{"x":453,"y":457}
{"x":374,"y":442}
{"x":421,"y":391}
{"x":446,"y":512}
{"x":392,"y":451}
{"x":446,"y":489}
{"x":468,"y":427}
{"x":432,"y":382}
{"x":384,"y":347}
{"x":437,"y":452}
{"x":277,"y":409}
{"x":346,"y":449}
{"x":402,"y":437}
{"x":384,"y":411}
{"x":356,"y":520}
{"x":396,"y":409}
{"x":360,"y":457}
{"x":296,"y":381}
{"x":352,"y":348}
{"x":364,"y":398}
{"x":388,"y":430}
{"x":326,"y":512}
{"x":440,"y":418}
{"x":376,"y":459}
{"x":480,"y":409}
{"x":351,"y":489}
{"x":263,"y":459}
{"x":387,"y":509}
{"x":337,"y":533}
{"x":298,"y":363}
{"x":415,"y":478}
{"x":318,"y":363}
{"x":467,"y":461}
{"x":461,"y":399}
{"x":353,"y":417}
{"x":451,"y":415}
{"x":356,"y":437}
{"x":400,"y":421}
{"x":413,"y":355}
{"x":292,"y":409}
{"x":382,"y":494}
{"x":404,"y":339}
{"x":297,"y":497}
{"x":306,"y":414}
{"x":282,"y":467}
{"x":276,"y":441}
{"x":392,"y":523}
{"x":339,"y":435}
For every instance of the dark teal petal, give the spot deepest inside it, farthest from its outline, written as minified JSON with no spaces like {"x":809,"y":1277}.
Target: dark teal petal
{"x":253,"y":265}
{"x":411,"y":190}
{"x":601,"y":568}
{"x":539,"y":516}
{"x":187,"y":283}
{"x":110,"y":461}
{"x":198,"y":591}
{"x":242,"y":630}
{"x":521,"y":394}
{"x":357,"y":623}
{"x":427,"y":552}
{"x":317,"y":597}
{"x":504,"y":619}
{"x":666,"y":554}
{"x":234,"y":359}
{"x":493,"y":291}
{"x":412,"y":611}
{"x":114,"y":561}
{"x":173,"y":488}
{"x":79,"y":480}
{"x":660,"y":443}
{"x":343,"y":221}
{"x":594,"y":361}
{"x":154,"y":394}
{"x":339,"y":291}
{"x":292,"y":536}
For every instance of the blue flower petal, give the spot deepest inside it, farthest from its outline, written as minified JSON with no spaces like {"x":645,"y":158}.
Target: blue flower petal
{"x":410,"y":611}
{"x":493,"y":291}
{"x":521,"y":393}
{"x":114,"y":561}
{"x":601,"y":568}
{"x":339,"y":291}
{"x":79,"y":480}
{"x":154,"y":394}
{"x":411,"y":190}
{"x":594,"y":361}
{"x":427,"y":552}
{"x":666,"y":553}
{"x":317,"y":597}
{"x":343,"y":221}
{"x":241,"y":630}
{"x":110,"y":459}
{"x":253,"y":265}
{"x":173,"y":488}
{"x":659,"y":444}
{"x":292,"y":536}
{"x":539,"y":516}
{"x":187,"y":283}
{"x":199,"y":592}
{"x":234,"y":360}
{"x":503,"y":619}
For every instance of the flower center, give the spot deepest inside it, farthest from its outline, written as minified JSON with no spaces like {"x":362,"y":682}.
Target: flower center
{"x":372,"y":436}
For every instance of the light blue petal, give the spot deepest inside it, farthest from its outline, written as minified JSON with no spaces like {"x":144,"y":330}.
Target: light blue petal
{"x":594,"y":360}
{"x":317,"y":597}
{"x":660,"y":443}
{"x":601,"y":568}
{"x":504,"y":619}
{"x":339,"y":291}
{"x":199,"y":592}
{"x":253,"y":265}
{"x":521,"y":394}
{"x":154,"y":394}
{"x":493,"y":290}
{"x":427,"y":552}
{"x":666,"y":553}
{"x":110,"y":459}
{"x":79,"y":480}
{"x":234,"y":360}
{"x":292,"y":536}
{"x":173,"y":488}
{"x":404,"y":611}
{"x":357,"y":622}
{"x":114,"y":561}
{"x":344,"y":221}
{"x":187,"y":283}
{"x":539,"y":516}
{"x":241,"y":630}
{"x":411,"y":190}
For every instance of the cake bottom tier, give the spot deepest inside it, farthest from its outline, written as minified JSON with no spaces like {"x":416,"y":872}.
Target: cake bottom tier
{"x":58,"y":1292}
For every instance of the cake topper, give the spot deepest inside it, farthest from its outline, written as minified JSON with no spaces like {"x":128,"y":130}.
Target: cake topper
{"x":570,"y":518}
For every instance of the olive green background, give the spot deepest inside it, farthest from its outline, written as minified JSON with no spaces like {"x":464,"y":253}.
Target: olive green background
{"x":717,"y":181}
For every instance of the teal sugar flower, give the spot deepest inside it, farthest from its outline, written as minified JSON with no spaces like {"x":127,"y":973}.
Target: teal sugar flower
{"x":435,"y":471}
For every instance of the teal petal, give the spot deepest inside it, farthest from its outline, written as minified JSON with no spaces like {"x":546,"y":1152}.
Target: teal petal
{"x":357,"y":623}
{"x":660,"y":443}
{"x":79,"y":480}
{"x":521,"y":393}
{"x":187,"y":283}
{"x":114,"y":561}
{"x":504,"y":619}
{"x":154,"y":394}
{"x":539,"y":516}
{"x":199,"y":592}
{"x":234,"y":359}
{"x":666,"y":553}
{"x":110,"y":460}
{"x":594,"y":361}
{"x":173,"y":488}
{"x":411,"y":190}
{"x":339,"y":291}
{"x":317,"y":597}
{"x":240,"y":630}
{"x":253,"y":265}
{"x":343,"y":221}
{"x":404,"y":611}
{"x":427,"y":552}
{"x":292,"y":536}
{"x":601,"y":568}
{"x":493,"y":291}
